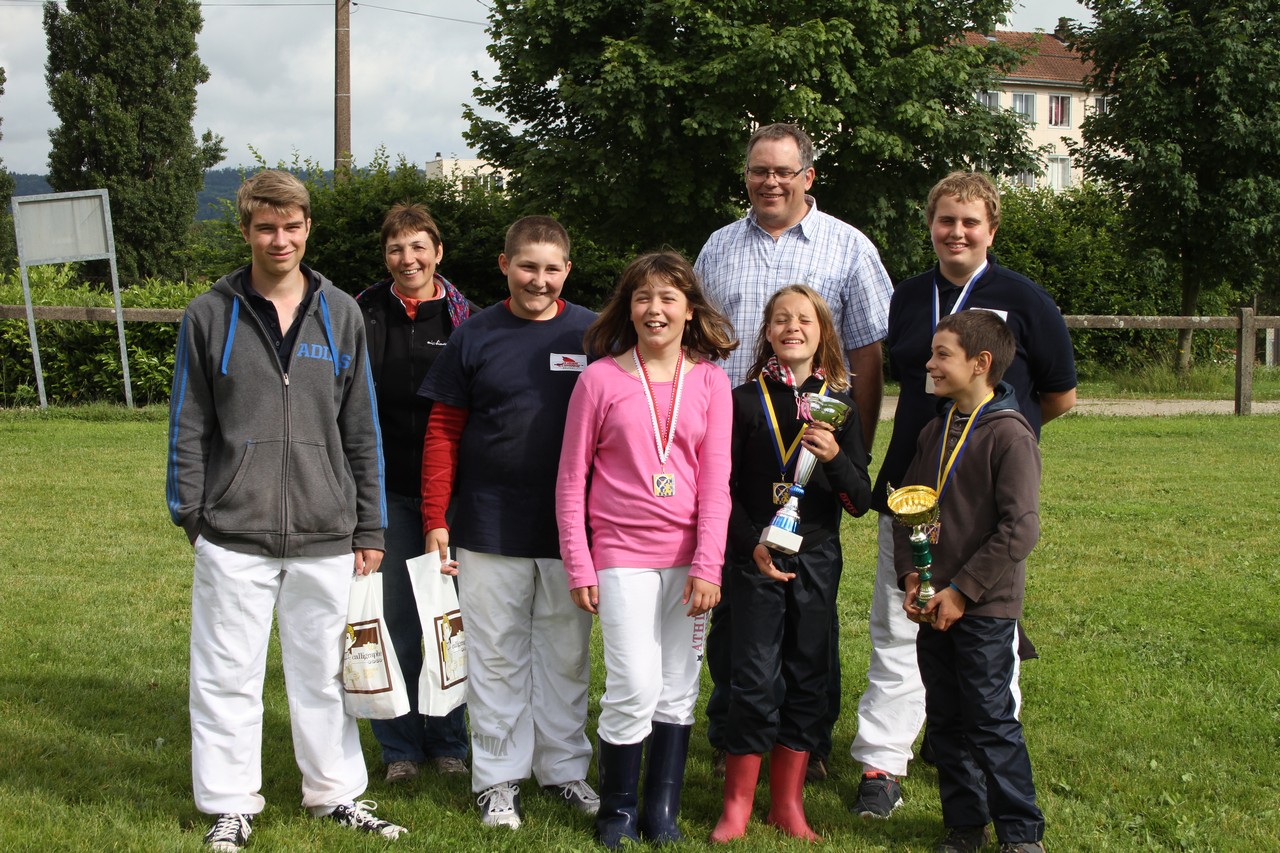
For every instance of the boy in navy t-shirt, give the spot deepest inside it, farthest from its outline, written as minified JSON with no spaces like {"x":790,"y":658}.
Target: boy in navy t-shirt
{"x":501,"y":389}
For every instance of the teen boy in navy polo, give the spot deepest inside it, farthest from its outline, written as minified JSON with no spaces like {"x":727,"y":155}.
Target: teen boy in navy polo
{"x":963,"y":214}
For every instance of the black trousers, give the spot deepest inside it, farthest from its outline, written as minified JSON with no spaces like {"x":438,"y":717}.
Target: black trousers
{"x":781,"y":650}
{"x":984,"y":772}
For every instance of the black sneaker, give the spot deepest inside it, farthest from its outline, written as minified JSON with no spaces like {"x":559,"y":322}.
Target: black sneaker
{"x":359,"y":815}
{"x":230,"y":833}
{"x":963,"y":839}
{"x":878,"y":795}
{"x":1022,"y":847}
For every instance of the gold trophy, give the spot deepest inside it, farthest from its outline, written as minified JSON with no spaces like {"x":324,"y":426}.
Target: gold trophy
{"x":917,"y":507}
{"x":781,"y":533}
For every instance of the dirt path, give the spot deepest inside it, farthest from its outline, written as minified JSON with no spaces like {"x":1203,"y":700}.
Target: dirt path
{"x":1139,"y":407}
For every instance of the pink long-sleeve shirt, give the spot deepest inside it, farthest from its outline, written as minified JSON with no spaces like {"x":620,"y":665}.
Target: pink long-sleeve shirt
{"x":608,"y":439}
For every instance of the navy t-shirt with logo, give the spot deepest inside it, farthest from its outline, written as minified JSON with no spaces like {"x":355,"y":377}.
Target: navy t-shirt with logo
{"x":515,"y":377}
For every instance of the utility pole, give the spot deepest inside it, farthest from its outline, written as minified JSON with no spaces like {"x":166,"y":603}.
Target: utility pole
{"x":342,"y":91}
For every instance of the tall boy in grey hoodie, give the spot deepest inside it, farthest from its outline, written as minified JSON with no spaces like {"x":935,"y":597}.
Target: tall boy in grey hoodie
{"x":275,"y":473}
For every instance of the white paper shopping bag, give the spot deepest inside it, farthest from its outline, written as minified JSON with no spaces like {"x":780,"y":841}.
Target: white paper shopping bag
{"x":443,"y":683}
{"x":373,"y":686}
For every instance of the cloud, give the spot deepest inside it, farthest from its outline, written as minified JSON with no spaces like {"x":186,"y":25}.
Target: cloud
{"x":271,"y":84}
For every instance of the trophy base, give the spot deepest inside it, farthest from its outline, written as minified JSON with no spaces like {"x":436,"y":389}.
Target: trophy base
{"x":783,"y":541}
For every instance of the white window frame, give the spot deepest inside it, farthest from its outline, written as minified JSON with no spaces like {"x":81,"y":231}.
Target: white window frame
{"x":1024,"y":104}
{"x":989,"y":99}
{"x":1063,"y":102}
{"x":1058,"y":171}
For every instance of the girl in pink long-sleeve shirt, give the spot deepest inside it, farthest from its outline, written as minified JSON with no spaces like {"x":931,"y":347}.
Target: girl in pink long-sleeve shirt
{"x":642,"y":504}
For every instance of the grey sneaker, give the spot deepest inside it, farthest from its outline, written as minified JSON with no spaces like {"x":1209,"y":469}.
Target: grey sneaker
{"x":1022,"y":847}
{"x":448,"y":765}
{"x":500,"y":805}
{"x":580,"y":795}
{"x":963,"y":839}
{"x":878,"y":795}
{"x":359,"y":815}
{"x":402,"y":771}
{"x":230,"y":833}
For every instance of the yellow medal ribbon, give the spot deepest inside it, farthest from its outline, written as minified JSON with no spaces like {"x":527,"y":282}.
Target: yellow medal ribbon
{"x":944,"y":472}
{"x":775,"y":426}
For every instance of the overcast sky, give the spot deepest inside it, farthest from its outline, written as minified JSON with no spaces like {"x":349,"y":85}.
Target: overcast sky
{"x":271,"y":76}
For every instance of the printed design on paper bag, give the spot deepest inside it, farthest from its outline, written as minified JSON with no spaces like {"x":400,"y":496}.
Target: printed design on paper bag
{"x":364,"y":664}
{"x":451,"y":642}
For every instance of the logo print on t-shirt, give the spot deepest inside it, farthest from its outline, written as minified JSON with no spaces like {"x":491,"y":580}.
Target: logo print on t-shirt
{"x":568,"y":362}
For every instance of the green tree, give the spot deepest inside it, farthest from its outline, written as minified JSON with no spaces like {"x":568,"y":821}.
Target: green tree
{"x":8,"y":249}
{"x":630,"y":118}
{"x":1191,"y":136}
{"x":122,"y":78}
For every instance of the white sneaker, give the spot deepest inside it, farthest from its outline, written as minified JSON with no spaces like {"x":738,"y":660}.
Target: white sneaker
{"x":580,"y":795}
{"x":500,"y":805}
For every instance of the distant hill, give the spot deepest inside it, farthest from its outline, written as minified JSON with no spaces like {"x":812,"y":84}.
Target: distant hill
{"x":30,"y":184}
{"x":219,"y":184}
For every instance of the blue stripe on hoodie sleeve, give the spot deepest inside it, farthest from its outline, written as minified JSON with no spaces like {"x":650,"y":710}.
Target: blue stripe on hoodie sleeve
{"x":377,"y":431}
{"x":231,"y":334}
{"x":328,"y":333}
{"x":181,"y":364}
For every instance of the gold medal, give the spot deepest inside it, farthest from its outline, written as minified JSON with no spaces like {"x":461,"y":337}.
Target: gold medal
{"x":664,"y":485}
{"x":781,"y":491}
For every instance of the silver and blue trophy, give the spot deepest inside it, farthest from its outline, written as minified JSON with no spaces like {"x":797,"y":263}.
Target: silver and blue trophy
{"x":781,"y":533}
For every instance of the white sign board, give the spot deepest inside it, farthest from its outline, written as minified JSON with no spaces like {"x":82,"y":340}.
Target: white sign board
{"x":61,"y":228}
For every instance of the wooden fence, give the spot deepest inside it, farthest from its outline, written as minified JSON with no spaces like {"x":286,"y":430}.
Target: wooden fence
{"x":1245,"y":323}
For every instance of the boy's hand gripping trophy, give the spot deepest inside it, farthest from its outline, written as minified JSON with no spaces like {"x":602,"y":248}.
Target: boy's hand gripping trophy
{"x":781,"y":533}
{"x":917,"y":507}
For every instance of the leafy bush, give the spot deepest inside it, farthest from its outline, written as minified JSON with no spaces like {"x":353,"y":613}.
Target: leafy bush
{"x":1075,"y":244}
{"x":81,"y":360}
{"x":347,"y":220}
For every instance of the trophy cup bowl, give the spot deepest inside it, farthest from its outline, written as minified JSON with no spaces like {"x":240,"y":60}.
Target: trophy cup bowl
{"x":916,"y":507}
{"x":781,"y":533}
{"x":913,"y":506}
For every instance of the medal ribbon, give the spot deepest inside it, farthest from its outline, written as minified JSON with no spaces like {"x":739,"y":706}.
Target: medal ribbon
{"x":961,"y":299}
{"x":783,"y":454}
{"x":944,"y":472}
{"x":661,"y":437}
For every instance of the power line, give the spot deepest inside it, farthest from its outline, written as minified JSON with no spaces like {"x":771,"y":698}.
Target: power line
{"x":419,"y":14}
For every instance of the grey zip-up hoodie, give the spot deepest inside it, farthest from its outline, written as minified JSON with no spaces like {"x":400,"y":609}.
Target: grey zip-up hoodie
{"x":267,"y":462}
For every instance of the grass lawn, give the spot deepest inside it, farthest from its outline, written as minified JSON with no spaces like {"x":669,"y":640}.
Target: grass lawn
{"x":1153,"y":715}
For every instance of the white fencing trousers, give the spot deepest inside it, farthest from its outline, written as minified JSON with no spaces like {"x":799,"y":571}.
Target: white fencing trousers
{"x":891,"y":710}
{"x":650,"y":659}
{"x":232,"y":599}
{"x":528,"y":670}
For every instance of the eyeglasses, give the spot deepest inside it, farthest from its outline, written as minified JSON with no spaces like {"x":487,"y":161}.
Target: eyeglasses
{"x":782,"y":176}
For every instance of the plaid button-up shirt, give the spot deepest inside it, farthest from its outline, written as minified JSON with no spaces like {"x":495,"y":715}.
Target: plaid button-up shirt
{"x":741,"y":266}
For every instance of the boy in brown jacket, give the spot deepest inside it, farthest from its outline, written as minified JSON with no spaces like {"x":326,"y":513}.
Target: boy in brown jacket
{"x":981,"y":456}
